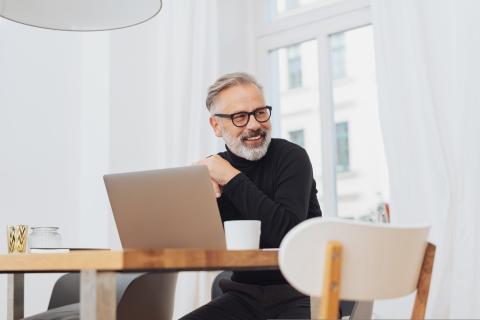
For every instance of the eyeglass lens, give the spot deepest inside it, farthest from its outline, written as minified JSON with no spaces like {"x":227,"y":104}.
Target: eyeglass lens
{"x":242,"y":118}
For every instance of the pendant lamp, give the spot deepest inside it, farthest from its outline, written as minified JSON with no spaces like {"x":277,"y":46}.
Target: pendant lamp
{"x":80,"y":15}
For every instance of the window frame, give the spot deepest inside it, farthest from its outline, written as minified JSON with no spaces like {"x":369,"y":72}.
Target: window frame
{"x":317,"y":24}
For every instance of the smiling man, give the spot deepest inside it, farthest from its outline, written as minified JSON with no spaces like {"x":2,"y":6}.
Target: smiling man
{"x":257,"y":178}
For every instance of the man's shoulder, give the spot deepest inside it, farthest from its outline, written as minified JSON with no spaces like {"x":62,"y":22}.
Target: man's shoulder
{"x":283,"y":146}
{"x":223,"y":154}
{"x":289,"y":156}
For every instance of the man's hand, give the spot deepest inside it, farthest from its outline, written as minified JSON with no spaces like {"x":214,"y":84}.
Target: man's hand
{"x":221,"y":171}
{"x":216,"y":189}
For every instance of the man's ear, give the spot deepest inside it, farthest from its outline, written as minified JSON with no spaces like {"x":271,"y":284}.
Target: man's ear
{"x":215,"y":126}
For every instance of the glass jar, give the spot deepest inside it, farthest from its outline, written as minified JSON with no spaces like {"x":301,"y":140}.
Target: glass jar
{"x":45,"y":237}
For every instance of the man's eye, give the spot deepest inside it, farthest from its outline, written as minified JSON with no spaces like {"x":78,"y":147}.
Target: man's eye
{"x":261,"y":112}
{"x":240,"y":116}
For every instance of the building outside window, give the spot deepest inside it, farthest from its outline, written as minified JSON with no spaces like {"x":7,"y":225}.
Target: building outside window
{"x":338,"y":58}
{"x":294,"y":67}
{"x":291,"y":4}
{"x":312,"y":50}
{"x":297,"y":137}
{"x":343,"y":153}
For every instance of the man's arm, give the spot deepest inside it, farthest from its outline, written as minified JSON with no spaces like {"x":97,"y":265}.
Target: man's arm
{"x":289,"y":205}
{"x":221,"y":172}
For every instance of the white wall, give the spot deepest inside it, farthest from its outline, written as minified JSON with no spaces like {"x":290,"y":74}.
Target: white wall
{"x":74,"y":106}
{"x":53,"y":131}
{"x":236,"y":36}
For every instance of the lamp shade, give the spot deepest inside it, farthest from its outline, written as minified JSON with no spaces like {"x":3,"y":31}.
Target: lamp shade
{"x":80,"y":15}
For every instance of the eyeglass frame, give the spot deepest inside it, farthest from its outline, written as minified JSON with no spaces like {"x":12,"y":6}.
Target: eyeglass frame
{"x":252,"y":113}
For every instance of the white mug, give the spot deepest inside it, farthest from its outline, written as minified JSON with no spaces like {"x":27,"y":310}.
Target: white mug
{"x":242,"y":234}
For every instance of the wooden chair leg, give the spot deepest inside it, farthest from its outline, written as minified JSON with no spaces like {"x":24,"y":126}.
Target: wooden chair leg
{"x":423,"y":285}
{"x":331,"y":281}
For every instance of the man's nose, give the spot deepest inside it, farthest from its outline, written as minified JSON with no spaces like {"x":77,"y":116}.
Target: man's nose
{"x":253,"y":124}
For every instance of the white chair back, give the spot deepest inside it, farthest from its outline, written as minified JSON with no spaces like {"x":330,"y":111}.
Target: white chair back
{"x":379,"y":261}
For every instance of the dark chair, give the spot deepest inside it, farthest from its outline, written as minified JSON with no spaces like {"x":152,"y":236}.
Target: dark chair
{"x":139,"y":296}
{"x":216,"y":291}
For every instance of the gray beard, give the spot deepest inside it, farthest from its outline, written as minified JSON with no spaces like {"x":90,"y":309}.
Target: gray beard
{"x":237,"y":146}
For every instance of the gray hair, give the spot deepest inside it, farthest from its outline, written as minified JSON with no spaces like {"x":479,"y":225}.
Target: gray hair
{"x":227,"y":81}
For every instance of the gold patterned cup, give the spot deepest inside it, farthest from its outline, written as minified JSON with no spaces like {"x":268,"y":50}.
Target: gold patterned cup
{"x":11,"y":239}
{"x":21,"y":235}
{"x":17,"y":238}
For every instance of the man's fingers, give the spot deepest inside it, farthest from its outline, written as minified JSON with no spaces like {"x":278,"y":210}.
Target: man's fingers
{"x":216,"y":189}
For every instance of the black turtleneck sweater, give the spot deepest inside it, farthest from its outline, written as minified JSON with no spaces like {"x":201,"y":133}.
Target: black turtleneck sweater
{"x":279,"y":190}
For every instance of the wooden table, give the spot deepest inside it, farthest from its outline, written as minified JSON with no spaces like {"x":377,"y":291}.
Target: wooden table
{"x":98,"y":270}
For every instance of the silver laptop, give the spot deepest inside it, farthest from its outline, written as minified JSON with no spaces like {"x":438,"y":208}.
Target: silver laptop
{"x":168,"y":208}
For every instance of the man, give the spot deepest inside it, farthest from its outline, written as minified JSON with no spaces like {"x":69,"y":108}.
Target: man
{"x":257,"y":178}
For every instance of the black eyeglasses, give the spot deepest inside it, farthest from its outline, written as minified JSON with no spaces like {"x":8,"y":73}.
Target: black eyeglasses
{"x":240,"y":119}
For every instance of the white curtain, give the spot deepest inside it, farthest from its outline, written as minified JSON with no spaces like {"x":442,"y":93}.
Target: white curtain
{"x":161,"y":71}
{"x":428,"y":66}
{"x":188,"y":55}
{"x":188,"y":64}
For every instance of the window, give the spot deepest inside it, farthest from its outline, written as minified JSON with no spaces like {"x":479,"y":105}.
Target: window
{"x":360,"y":139}
{"x":290,"y":4}
{"x":297,"y":137}
{"x":298,"y":109}
{"x":286,"y":7}
{"x":294,"y":67}
{"x":326,"y":48}
{"x":343,"y":158}
{"x":337,"y":44}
